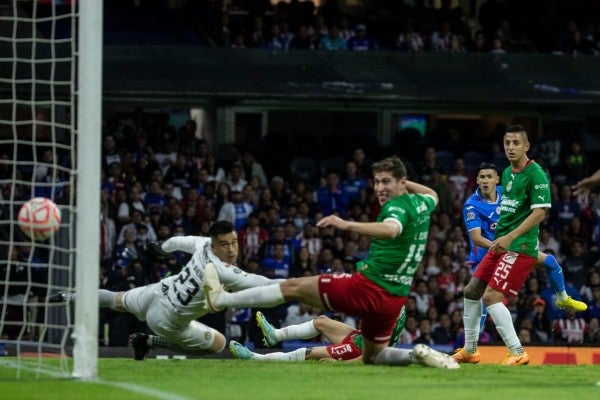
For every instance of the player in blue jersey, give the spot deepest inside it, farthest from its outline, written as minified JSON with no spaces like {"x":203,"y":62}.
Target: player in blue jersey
{"x":481,"y":212}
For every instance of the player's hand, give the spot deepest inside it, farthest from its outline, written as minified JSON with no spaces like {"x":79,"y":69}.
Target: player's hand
{"x":155,"y":248}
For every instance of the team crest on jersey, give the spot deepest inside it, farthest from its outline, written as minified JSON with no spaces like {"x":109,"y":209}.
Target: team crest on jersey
{"x":470,"y":216}
{"x":498,"y":210}
{"x":236,"y":270}
{"x":509,"y":186}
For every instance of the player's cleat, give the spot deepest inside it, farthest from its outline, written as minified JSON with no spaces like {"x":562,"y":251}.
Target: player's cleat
{"x":240,"y":351}
{"x":572,"y":304}
{"x":515,"y":359}
{"x":212,"y":287}
{"x":461,"y":356}
{"x":429,"y":357}
{"x":139,"y":342}
{"x":60,"y":297}
{"x":267,"y":329}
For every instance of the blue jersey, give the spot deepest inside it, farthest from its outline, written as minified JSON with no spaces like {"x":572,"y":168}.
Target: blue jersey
{"x":481,"y":213}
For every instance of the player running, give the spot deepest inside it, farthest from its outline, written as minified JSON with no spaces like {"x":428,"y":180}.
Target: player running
{"x":480,"y":215}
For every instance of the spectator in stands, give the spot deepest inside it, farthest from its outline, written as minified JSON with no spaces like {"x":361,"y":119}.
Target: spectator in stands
{"x":592,"y":335}
{"x":548,"y":243}
{"x":235,"y":211}
{"x":360,"y":41}
{"x":570,"y":329}
{"x":252,"y":237}
{"x":180,"y":174}
{"x":540,"y":323}
{"x":424,"y":301}
{"x":110,"y":154}
{"x":279,"y":191}
{"x":411,"y":331}
{"x":276,"y":266}
{"x":576,"y":164}
{"x":304,"y":264}
{"x":251,"y":167}
{"x":593,"y":310}
{"x":409,"y":40}
{"x":444,"y":334}
{"x":479,"y":43}
{"x":332,"y":198}
{"x":137,"y":218}
{"x":257,"y":35}
{"x":564,"y":209}
{"x":239,"y":42}
{"x":234,"y":179}
{"x":332,"y":41}
{"x":166,"y":156}
{"x":354,"y":185}
{"x":576,"y":264}
{"x":134,"y":201}
{"x":302,"y":40}
{"x":593,"y":280}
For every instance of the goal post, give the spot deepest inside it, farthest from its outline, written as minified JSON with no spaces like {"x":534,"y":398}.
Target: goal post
{"x":50,"y":146}
{"x":89,"y":124}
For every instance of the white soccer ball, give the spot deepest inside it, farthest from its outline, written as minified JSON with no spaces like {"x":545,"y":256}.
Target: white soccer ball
{"x":39,"y":218}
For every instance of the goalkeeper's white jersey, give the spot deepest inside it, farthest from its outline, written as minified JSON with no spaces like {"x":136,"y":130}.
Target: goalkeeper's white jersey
{"x":184,"y":290}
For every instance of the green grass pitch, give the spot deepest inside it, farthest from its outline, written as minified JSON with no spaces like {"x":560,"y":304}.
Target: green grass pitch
{"x":236,"y":379}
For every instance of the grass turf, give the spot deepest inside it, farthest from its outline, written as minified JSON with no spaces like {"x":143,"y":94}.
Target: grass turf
{"x":237,"y":379}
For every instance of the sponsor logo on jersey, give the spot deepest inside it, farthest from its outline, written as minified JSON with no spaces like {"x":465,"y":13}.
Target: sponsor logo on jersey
{"x":509,"y":186}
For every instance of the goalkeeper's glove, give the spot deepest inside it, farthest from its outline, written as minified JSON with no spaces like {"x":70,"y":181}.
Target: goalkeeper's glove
{"x":155,"y":248}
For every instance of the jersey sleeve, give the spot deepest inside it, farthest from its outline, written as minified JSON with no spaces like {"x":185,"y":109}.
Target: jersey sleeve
{"x":540,"y":189}
{"x":234,"y":279}
{"x":188,"y":244}
{"x":471,"y":217}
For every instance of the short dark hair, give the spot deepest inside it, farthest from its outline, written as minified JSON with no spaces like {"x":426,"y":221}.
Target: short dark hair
{"x":220,"y":228}
{"x":487,"y":165}
{"x":390,"y":164}
{"x":518,"y":129}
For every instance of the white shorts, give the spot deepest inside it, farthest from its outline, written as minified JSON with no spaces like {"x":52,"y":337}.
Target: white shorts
{"x":149,"y":304}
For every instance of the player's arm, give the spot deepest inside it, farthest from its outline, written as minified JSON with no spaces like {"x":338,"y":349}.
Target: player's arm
{"x":414,"y":187}
{"x":535,"y":218}
{"x":234,"y":279}
{"x":478,"y":239}
{"x":584,"y":185}
{"x":387,"y":229}
{"x":188,"y":244}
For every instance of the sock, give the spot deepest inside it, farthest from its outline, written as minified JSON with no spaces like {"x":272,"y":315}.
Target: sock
{"x":305,"y":330}
{"x":395,"y":356}
{"x":505,"y":327}
{"x":296,"y":355}
{"x":472,"y":319}
{"x":555,"y":276}
{"x":261,"y":296}
{"x":106,"y":299}
{"x":483,"y":317}
{"x":157,"y":341}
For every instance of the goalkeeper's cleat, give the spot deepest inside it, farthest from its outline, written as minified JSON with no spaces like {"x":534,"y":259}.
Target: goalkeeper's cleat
{"x":267,"y":329}
{"x":240,"y":351}
{"x":60,"y":297}
{"x":572,"y":304}
{"x":212,"y":288}
{"x":429,"y":357}
{"x":515,"y":359}
{"x":139,"y":342}
{"x":461,"y":356}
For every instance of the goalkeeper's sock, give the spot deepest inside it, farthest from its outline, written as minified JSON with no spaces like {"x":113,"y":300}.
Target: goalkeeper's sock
{"x":305,"y":330}
{"x":395,"y":356}
{"x":471,"y":320}
{"x":107,"y":299}
{"x":261,"y":296}
{"x":296,"y":355}
{"x":555,"y":276}
{"x":505,"y":327}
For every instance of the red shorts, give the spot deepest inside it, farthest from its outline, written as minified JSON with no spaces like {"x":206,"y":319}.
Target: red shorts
{"x":346,"y":349}
{"x":505,"y":272}
{"x":356,"y":295}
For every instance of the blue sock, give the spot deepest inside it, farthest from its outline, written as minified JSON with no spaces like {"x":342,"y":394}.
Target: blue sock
{"x":555,"y":274}
{"x":483,"y":317}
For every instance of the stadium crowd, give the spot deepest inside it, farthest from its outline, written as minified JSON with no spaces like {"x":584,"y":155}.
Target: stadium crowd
{"x":157,"y":186}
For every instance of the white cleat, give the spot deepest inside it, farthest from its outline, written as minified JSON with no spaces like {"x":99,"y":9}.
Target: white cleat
{"x":429,"y":357}
{"x":212,"y":287}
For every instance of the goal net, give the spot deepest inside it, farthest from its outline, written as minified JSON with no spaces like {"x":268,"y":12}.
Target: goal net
{"x":50,"y":75}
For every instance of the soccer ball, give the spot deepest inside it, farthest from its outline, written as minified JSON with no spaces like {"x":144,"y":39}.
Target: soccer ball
{"x":39,"y":218}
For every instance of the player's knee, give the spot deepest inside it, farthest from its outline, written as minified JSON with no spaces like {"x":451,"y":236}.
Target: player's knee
{"x":218,"y":343}
{"x":473,"y":291}
{"x":290,"y":288}
{"x":320,"y":322}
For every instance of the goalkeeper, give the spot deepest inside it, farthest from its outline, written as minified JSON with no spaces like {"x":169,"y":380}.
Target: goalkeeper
{"x":170,"y":307}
